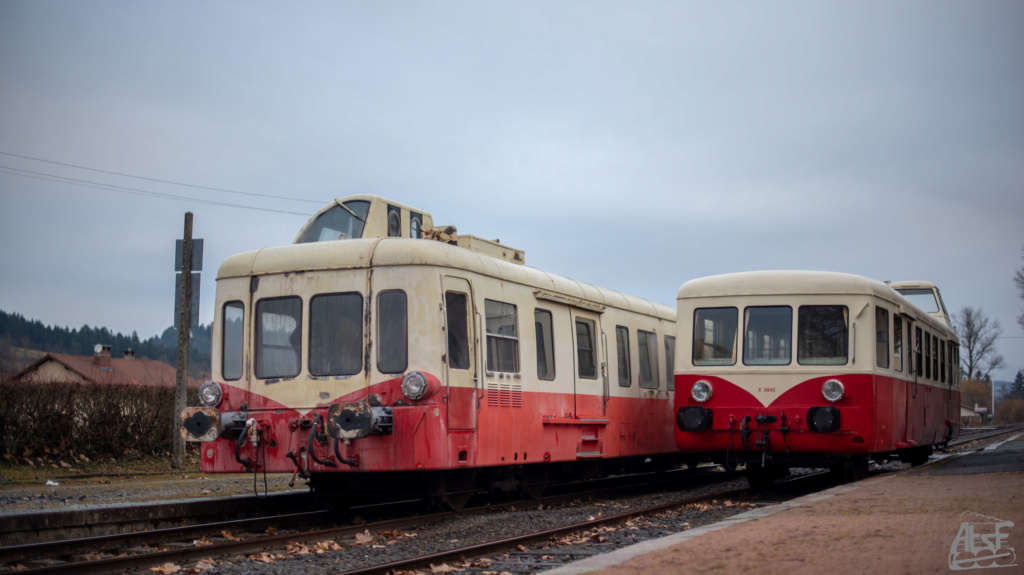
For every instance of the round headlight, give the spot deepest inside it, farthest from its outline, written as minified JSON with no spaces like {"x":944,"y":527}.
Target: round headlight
{"x":210,"y":393}
{"x":414,"y":385}
{"x":833,"y":390}
{"x":701,"y":391}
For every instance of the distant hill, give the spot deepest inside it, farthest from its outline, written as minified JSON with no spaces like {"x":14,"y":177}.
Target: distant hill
{"x":19,"y":333}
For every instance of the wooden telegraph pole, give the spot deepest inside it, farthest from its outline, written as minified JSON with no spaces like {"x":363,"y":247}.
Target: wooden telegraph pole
{"x":184,"y":325}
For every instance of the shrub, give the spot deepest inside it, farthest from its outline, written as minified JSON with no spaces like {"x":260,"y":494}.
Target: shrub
{"x":96,"y":420}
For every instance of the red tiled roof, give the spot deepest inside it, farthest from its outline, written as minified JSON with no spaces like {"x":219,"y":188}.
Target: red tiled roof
{"x":134,"y":371}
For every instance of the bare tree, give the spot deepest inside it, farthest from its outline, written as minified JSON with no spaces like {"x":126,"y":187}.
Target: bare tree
{"x":978,"y":337}
{"x":1018,"y":279}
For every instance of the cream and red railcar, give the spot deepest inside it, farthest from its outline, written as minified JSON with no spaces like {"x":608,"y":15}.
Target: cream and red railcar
{"x":777,"y":369}
{"x":381,"y":355}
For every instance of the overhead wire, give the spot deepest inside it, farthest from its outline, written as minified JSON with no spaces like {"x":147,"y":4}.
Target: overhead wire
{"x":159,"y":180}
{"x":135,"y":191}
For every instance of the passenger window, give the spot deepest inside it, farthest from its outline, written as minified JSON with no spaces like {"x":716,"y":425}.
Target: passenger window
{"x":232,"y":336}
{"x":586,"y":355}
{"x":917,"y":351}
{"x":714,"y":336}
{"x":927,"y":355}
{"x":822,"y":335}
{"x":670,"y":362}
{"x":942,"y":348}
{"x":502,"y":336}
{"x":935,"y":358}
{"x":278,"y":337}
{"x":457,"y":306}
{"x":622,"y":356}
{"x":647,"y":345}
{"x":336,"y":334}
{"x":897,"y":341}
{"x":392,"y":332}
{"x":767,"y":333}
{"x":545,"y":344}
{"x":882,"y":337}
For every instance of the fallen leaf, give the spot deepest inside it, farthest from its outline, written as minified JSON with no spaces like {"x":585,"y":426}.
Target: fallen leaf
{"x":364,"y":538}
{"x":325,"y":546}
{"x":263,"y":557}
{"x":165,"y":569}
{"x":270,"y":531}
{"x":442,"y":568}
{"x":521,"y":548}
{"x":229,"y":536}
{"x":294,"y":548}
{"x":202,"y":541}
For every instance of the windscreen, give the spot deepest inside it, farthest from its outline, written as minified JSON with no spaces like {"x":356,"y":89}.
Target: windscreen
{"x":338,"y":223}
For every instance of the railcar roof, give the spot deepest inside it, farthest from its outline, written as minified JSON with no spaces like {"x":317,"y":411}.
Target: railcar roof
{"x":783,"y":281}
{"x":362,"y":253}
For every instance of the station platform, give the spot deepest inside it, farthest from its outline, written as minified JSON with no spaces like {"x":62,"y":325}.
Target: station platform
{"x":961,"y":513}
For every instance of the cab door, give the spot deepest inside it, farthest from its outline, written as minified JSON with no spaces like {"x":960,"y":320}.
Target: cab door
{"x":461,"y":364}
{"x":590,"y":371}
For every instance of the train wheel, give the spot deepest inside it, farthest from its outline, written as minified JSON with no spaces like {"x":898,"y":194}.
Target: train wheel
{"x":453,"y":489}
{"x":762,"y":477}
{"x":532,"y":483}
{"x":850,"y":469}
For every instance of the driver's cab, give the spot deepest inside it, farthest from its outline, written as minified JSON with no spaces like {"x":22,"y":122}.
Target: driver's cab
{"x":365,"y":216}
{"x":926,"y":296}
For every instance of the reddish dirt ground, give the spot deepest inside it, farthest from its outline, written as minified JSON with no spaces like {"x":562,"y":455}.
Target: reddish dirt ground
{"x":893,"y":524}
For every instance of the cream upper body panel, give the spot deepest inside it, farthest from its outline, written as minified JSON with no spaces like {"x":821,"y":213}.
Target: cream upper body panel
{"x":378,"y":252}
{"x":774,"y":283}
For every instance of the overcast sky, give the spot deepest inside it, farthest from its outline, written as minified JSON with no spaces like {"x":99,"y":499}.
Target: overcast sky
{"x":631,"y":145}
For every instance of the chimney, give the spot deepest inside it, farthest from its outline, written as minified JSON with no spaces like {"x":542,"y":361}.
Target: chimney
{"x":101,"y":356}
{"x":129,"y":353}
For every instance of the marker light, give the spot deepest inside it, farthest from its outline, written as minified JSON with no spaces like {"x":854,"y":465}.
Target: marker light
{"x":414,"y":385}
{"x":210,"y":393}
{"x":701,"y":391}
{"x":833,"y":390}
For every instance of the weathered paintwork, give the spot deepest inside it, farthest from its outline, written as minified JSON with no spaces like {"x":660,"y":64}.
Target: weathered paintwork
{"x":472,"y":418}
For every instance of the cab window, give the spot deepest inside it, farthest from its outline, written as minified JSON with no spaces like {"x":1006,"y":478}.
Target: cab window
{"x":768,"y":333}
{"x":823,"y":335}
{"x":714,"y":336}
{"x":278,"y":337}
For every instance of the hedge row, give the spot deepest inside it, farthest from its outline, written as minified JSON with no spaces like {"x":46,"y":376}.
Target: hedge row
{"x":96,"y":420}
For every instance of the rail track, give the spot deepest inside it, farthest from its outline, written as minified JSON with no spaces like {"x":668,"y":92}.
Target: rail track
{"x":124,"y":551}
{"x":529,"y":551}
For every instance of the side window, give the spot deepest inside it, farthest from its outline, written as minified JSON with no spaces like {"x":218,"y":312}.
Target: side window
{"x":586,"y":356}
{"x":897,"y":342}
{"x":954,"y":365}
{"x":882,"y":337}
{"x":927,"y":355}
{"x":392,"y":332}
{"x":768,"y":333}
{"x":822,"y":335}
{"x":917,"y":351}
{"x":647,"y":345}
{"x":935,"y":358}
{"x":232,"y":336}
{"x":415,"y":225}
{"x":336,"y":334}
{"x":670,"y":362}
{"x":502,"y":336}
{"x":714,"y":336}
{"x":622,"y":355}
{"x":942,"y":362}
{"x":545,"y":344}
{"x":278,"y":337}
{"x":457,"y":306}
